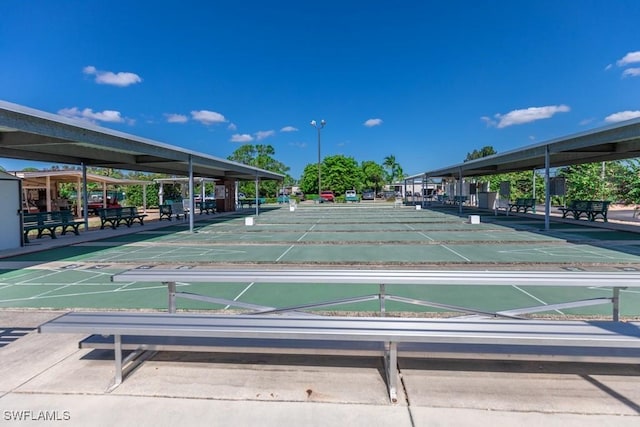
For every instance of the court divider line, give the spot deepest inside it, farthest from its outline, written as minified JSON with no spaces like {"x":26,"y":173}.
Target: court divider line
{"x":284,"y":253}
{"x":460,"y":255}
{"x":530,"y":295}
{"x":240,"y":294}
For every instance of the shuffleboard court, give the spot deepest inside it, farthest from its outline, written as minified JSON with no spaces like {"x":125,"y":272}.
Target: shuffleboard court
{"x":380,"y":236}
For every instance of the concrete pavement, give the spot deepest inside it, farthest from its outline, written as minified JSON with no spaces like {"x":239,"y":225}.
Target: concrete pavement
{"x":47,"y":376}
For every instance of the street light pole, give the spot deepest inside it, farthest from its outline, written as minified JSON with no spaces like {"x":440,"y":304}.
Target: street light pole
{"x":319,"y":128}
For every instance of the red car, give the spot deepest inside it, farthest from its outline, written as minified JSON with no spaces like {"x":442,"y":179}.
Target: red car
{"x":327,"y":196}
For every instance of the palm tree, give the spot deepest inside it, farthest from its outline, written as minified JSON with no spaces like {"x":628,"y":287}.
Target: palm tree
{"x":393,"y":168}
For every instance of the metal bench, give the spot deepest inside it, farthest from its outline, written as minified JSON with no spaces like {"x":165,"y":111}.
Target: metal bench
{"x":591,"y":209}
{"x":504,"y":334}
{"x":523,"y":204}
{"x":251,"y":202}
{"x":169,"y":210}
{"x":613,"y":280}
{"x":69,"y":223}
{"x":390,"y":337}
{"x":46,"y":223}
{"x":130,"y":214}
{"x":208,"y":206}
{"x":598,"y":208}
{"x":111,"y":216}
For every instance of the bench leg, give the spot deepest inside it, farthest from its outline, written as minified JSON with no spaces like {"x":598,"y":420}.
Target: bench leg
{"x":125,"y":366}
{"x":117,"y":350}
{"x":391,"y":365}
{"x":172,"y":296}
{"x":616,"y":304}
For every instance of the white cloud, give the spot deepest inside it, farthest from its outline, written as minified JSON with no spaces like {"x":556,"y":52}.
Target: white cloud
{"x":289,"y":129}
{"x":262,"y":134}
{"x":245,"y":137}
{"x":208,"y":117}
{"x":121,"y":79}
{"x":629,"y":58}
{"x":232,"y":127}
{"x":110,"y":116}
{"x":633,"y":72}
{"x":527,"y":115}
{"x":176,"y":118}
{"x":622,"y":116}
{"x":298,"y":144}
{"x":372,"y":122}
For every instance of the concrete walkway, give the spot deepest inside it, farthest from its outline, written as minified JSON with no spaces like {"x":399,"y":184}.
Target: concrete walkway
{"x":48,"y":376}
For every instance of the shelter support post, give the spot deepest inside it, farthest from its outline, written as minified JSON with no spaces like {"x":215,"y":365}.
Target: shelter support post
{"x":191,"y":207}
{"x":460,"y":190}
{"x":547,"y":190}
{"x":257,"y":197}
{"x":85,"y":198}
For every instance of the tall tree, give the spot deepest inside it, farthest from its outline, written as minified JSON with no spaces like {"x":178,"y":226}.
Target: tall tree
{"x":341,"y":173}
{"x":590,"y":181}
{"x":485,"y":151}
{"x":373,"y":175}
{"x":393,"y":169}
{"x":338,"y":173}
{"x":260,"y":156}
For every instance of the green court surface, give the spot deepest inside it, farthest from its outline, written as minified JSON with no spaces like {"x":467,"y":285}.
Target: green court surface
{"x":78,"y":276}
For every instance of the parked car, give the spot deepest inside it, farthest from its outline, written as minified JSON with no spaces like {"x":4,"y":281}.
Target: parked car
{"x":299,"y":195}
{"x":327,"y":196}
{"x":351,"y":196}
{"x":368,"y":195}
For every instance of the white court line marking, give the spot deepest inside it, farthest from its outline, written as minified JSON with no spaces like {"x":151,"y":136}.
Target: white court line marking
{"x":424,"y":235}
{"x":460,"y":255}
{"x":420,"y":233}
{"x":303,"y":236}
{"x":62,"y":287}
{"x":165,"y":253}
{"x":123,"y":287}
{"x":75,"y":294}
{"x":285,"y":252}
{"x":534,"y":297}
{"x":52,"y":273}
{"x":240,"y":294}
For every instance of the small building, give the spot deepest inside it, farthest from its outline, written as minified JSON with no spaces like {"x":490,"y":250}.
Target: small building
{"x":10,"y":209}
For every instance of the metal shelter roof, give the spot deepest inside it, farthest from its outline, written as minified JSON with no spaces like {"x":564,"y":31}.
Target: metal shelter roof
{"x":614,"y":142}
{"x":29,"y":134}
{"x":38,"y":178}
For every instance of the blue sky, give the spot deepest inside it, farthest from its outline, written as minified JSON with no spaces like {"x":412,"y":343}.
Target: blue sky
{"x":425,"y":81}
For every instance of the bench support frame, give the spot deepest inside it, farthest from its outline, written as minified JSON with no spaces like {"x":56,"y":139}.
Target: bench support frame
{"x":383,"y":296}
